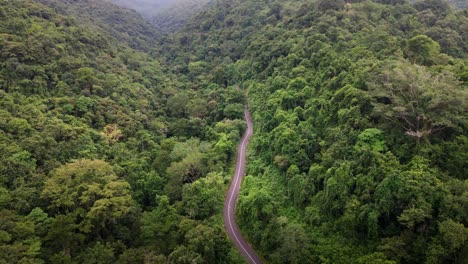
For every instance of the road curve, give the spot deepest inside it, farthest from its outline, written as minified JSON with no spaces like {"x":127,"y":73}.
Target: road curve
{"x":232,"y":194}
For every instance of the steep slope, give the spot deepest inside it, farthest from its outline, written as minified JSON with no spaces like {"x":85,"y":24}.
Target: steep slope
{"x":125,"y":25}
{"x":360,"y":149}
{"x":104,"y":155}
{"x":67,"y":93}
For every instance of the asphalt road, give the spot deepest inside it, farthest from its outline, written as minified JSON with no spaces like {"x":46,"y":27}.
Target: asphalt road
{"x":231,"y":198}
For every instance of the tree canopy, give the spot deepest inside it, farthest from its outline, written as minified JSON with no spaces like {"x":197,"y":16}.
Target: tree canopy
{"x":118,"y":138}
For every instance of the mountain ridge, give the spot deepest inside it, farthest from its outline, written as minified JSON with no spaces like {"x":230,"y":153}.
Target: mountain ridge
{"x":166,"y":16}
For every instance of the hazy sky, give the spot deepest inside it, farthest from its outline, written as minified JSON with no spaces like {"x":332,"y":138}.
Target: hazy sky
{"x":152,"y":7}
{"x":166,"y":15}
{"x":146,"y":7}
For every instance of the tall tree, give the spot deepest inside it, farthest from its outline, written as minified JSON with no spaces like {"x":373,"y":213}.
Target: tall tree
{"x":89,"y":190}
{"x":419,"y":101}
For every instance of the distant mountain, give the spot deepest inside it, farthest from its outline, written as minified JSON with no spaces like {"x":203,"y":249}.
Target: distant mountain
{"x":460,"y":4}
{"x":145,"y":7}
{"x":166,"y":15}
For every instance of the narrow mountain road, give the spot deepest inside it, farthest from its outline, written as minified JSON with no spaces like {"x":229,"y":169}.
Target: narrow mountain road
{"x":232,"y":194}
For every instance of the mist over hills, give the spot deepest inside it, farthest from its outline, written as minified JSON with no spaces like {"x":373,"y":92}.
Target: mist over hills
{"x":461,"y":4}
{"x":146,"y":7}
{"x":165,"y":15}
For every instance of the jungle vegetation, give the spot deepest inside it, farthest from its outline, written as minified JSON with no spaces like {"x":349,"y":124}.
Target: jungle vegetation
{"x":117,"y":140}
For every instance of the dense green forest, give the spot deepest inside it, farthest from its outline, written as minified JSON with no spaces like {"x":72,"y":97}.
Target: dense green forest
{"x":103,"y":155}
{"x":125,"y":26}
{"x":117,"y":140}
{"x":360,"y":148}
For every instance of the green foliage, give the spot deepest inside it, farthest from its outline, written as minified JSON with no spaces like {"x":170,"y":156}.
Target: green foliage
{"x":354,"y":103}
{"x":421,"y":102}
{"x":375,"y":258}
{"x":90,"y":193}
{"x":88,"y":123}
{"x":448,"y":245}
{"x":371,"y":139}
{"x":123,"y":24}
{"x":115,"y":149}
{"x":159,"y":225}
{"x":423,"y":50}
{"x":203,"y":198}
{"x":323,"y":5}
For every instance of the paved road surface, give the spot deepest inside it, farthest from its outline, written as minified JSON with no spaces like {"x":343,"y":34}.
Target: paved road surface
{"x":231,"y":198}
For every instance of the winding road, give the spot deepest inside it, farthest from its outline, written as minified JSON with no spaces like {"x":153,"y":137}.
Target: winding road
{"x":232,"y":195}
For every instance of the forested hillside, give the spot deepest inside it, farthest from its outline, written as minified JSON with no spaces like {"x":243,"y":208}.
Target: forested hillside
{"x":104,"y":156}
{"x":117,"y":143}
{"x":124,"y":25}
{"x":360,"y":149}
